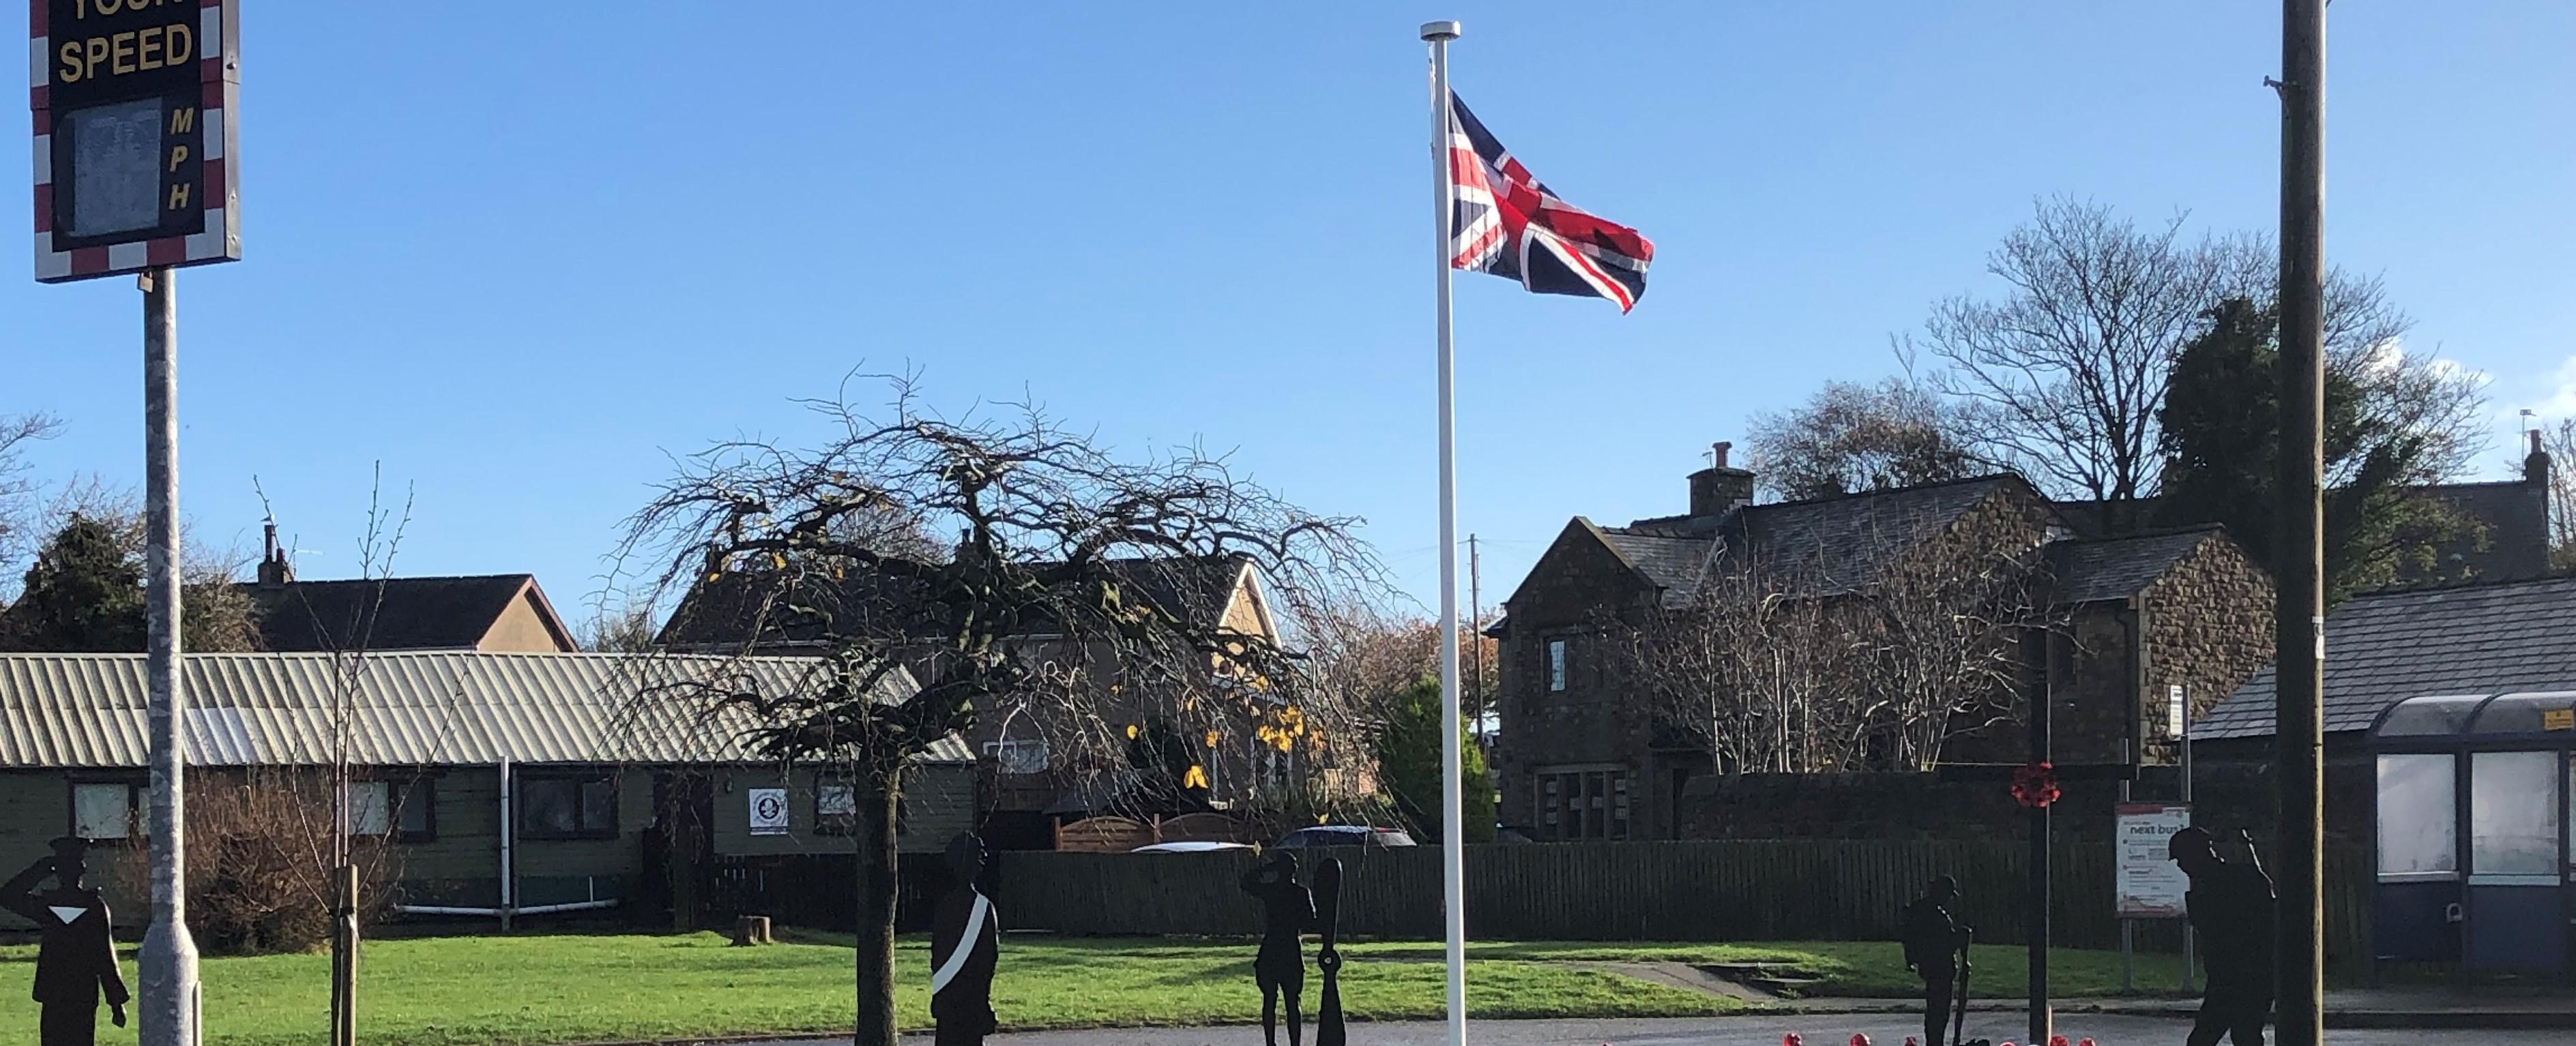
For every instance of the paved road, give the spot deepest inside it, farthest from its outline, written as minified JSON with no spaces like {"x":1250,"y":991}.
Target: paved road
{"x":1885,"y":1030}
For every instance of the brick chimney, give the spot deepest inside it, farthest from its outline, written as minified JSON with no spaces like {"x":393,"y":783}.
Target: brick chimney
{"x":2535,"y":466}
{"x":1719,"y":487}
{"x":274,"y":570}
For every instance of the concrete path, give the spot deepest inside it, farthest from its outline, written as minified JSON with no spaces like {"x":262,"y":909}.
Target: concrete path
{"x":1883,"y":1030}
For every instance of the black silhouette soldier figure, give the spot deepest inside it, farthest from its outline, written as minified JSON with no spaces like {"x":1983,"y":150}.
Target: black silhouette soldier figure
{"x":1281,"y":967}
{"x":75,"y":961}
{"x":1935,"y":947}
{"x":965,"y":940}
{"x":2230,"y":905}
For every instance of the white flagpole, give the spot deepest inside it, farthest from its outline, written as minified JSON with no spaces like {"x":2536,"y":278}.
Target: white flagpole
{"x":1453,"y":876}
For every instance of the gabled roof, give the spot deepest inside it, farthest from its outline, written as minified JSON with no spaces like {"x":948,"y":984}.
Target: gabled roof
{"x":2093,"y":570}
{"x":719,"y":614}
{"x":409,"y":709}
{"x":2385,"y":647}
{"x":1842,"y":540}
{"x":1671,"y":563}
{"x":403,"y":613}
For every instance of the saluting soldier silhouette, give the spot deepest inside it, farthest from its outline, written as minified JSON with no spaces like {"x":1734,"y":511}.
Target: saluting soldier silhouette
{"x":965,"y":942}
{"x":1280,"y":968}
{"x":76,"y":960}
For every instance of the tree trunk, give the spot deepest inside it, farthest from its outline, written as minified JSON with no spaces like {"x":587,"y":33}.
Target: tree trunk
{"x":875,"y":911}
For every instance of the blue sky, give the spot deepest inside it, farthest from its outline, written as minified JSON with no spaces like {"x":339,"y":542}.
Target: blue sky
{"x":519,"y":253}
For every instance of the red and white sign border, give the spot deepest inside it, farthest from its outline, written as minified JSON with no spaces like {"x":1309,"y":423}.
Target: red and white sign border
{"x":219,"y":73}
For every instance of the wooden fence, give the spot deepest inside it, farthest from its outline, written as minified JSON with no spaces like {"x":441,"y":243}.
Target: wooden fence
{"x":1732,"y":890}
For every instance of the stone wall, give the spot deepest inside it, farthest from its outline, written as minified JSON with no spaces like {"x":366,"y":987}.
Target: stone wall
{"x":2209,"y":629}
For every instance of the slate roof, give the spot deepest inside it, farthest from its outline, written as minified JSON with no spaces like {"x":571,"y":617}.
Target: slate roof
{"x":430,"y":708}
{"x":404,"y":613}
{"x":1673,"y":563}
{"x":2092,"y":570}
{"x":2386,"y":647}
{"x":1841,"y":539}
{"x":2516,"y":515}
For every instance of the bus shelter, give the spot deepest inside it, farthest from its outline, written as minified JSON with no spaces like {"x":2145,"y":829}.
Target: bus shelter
{"x":2473,"y":831}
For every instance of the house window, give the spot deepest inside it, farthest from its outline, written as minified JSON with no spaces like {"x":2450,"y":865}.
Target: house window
{"x":1583,"y":804}
{"x":1018,"y":757}
{"x":1556,"y":666}
{"x":105,"y":810}
{"x":371,"y":807}
{"x":836,"y":808}
{"x":399,"y":809}
{"x":568,"y":806}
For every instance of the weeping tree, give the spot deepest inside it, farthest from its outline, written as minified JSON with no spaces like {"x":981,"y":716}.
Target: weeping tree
{"x":1079,"y":601}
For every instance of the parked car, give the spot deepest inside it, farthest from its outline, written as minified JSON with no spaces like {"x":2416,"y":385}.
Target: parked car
{"x":1188,"y":848}
{"x":1343,"y":835}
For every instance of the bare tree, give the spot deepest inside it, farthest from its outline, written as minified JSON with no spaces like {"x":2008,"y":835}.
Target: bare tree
{"x":354,"y":874}
{"x":17,"y":492}
{"x":626,"y":628}
{"x":1741,"y":669}
{"x":1056,"y":536}
{"x":1775,"y":667}
{"x":2062,"y":377}
{"x":1938,"y":648}
{"x":2559,"y":442}
{"x":1850,"y":437}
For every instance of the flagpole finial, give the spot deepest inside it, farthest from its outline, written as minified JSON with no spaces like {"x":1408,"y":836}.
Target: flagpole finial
{"x":1440,"y":30}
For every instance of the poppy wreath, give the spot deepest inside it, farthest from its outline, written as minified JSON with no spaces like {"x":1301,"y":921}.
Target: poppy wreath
{"x":2035,"y":786}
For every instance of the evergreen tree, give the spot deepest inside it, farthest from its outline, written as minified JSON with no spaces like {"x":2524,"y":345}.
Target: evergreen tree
{"x":2221,"y":442}
{"x":83,"y":595}
{"x":1408,"y":764}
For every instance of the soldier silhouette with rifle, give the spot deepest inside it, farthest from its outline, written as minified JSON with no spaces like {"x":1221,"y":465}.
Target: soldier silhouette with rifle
{"x":2231,"y":910}
{"x":76,"y":960}
{"x":1936,"y":947}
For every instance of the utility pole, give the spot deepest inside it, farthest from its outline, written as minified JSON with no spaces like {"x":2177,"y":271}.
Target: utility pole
{"x":1476,"y":633}
{"x":168,"y":962}
{"x":2300,"y":628}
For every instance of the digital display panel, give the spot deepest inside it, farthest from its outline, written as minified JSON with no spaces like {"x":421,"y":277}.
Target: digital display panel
{"x":116,"y":167}
{"x":134,"y":140}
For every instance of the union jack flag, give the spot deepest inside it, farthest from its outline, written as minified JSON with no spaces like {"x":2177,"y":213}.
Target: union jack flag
{"x":1505,"y":222}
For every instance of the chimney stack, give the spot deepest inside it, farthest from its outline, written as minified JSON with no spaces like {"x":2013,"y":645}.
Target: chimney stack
{"x":274,"y":570}
{"x":2535,"y":466}
{"x":1719,"y":487}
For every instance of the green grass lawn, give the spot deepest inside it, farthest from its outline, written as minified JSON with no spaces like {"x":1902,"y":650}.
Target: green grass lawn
{"x":533,"y":988}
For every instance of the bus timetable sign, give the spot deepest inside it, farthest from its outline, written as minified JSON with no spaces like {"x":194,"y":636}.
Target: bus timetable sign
{"x":134,"y":136}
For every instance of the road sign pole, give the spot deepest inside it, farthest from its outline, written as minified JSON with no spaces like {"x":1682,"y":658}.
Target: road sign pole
{"x":169,"y":1006}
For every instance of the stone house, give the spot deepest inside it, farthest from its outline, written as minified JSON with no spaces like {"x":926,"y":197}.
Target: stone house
{"x":1581,"y":756}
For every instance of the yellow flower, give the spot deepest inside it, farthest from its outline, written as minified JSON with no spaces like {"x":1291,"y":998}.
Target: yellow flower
{"x":778,"y":561}
{"x":1211,"y":739}
{"x":1131,"y":731}
{"x":1196,"y":778}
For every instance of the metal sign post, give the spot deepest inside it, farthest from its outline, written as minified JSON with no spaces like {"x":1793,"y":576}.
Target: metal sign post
{"x":134,"y":146}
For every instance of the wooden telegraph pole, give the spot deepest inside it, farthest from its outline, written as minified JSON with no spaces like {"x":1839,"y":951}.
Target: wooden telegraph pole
{"x":2299,"y":630}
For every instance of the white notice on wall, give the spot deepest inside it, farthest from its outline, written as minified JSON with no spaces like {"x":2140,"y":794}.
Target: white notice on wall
{"x":768,"y":811}
{"x":2150,"y":885}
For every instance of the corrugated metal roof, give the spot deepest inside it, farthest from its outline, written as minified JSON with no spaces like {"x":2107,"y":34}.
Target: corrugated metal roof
{"x":425,"y":708}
